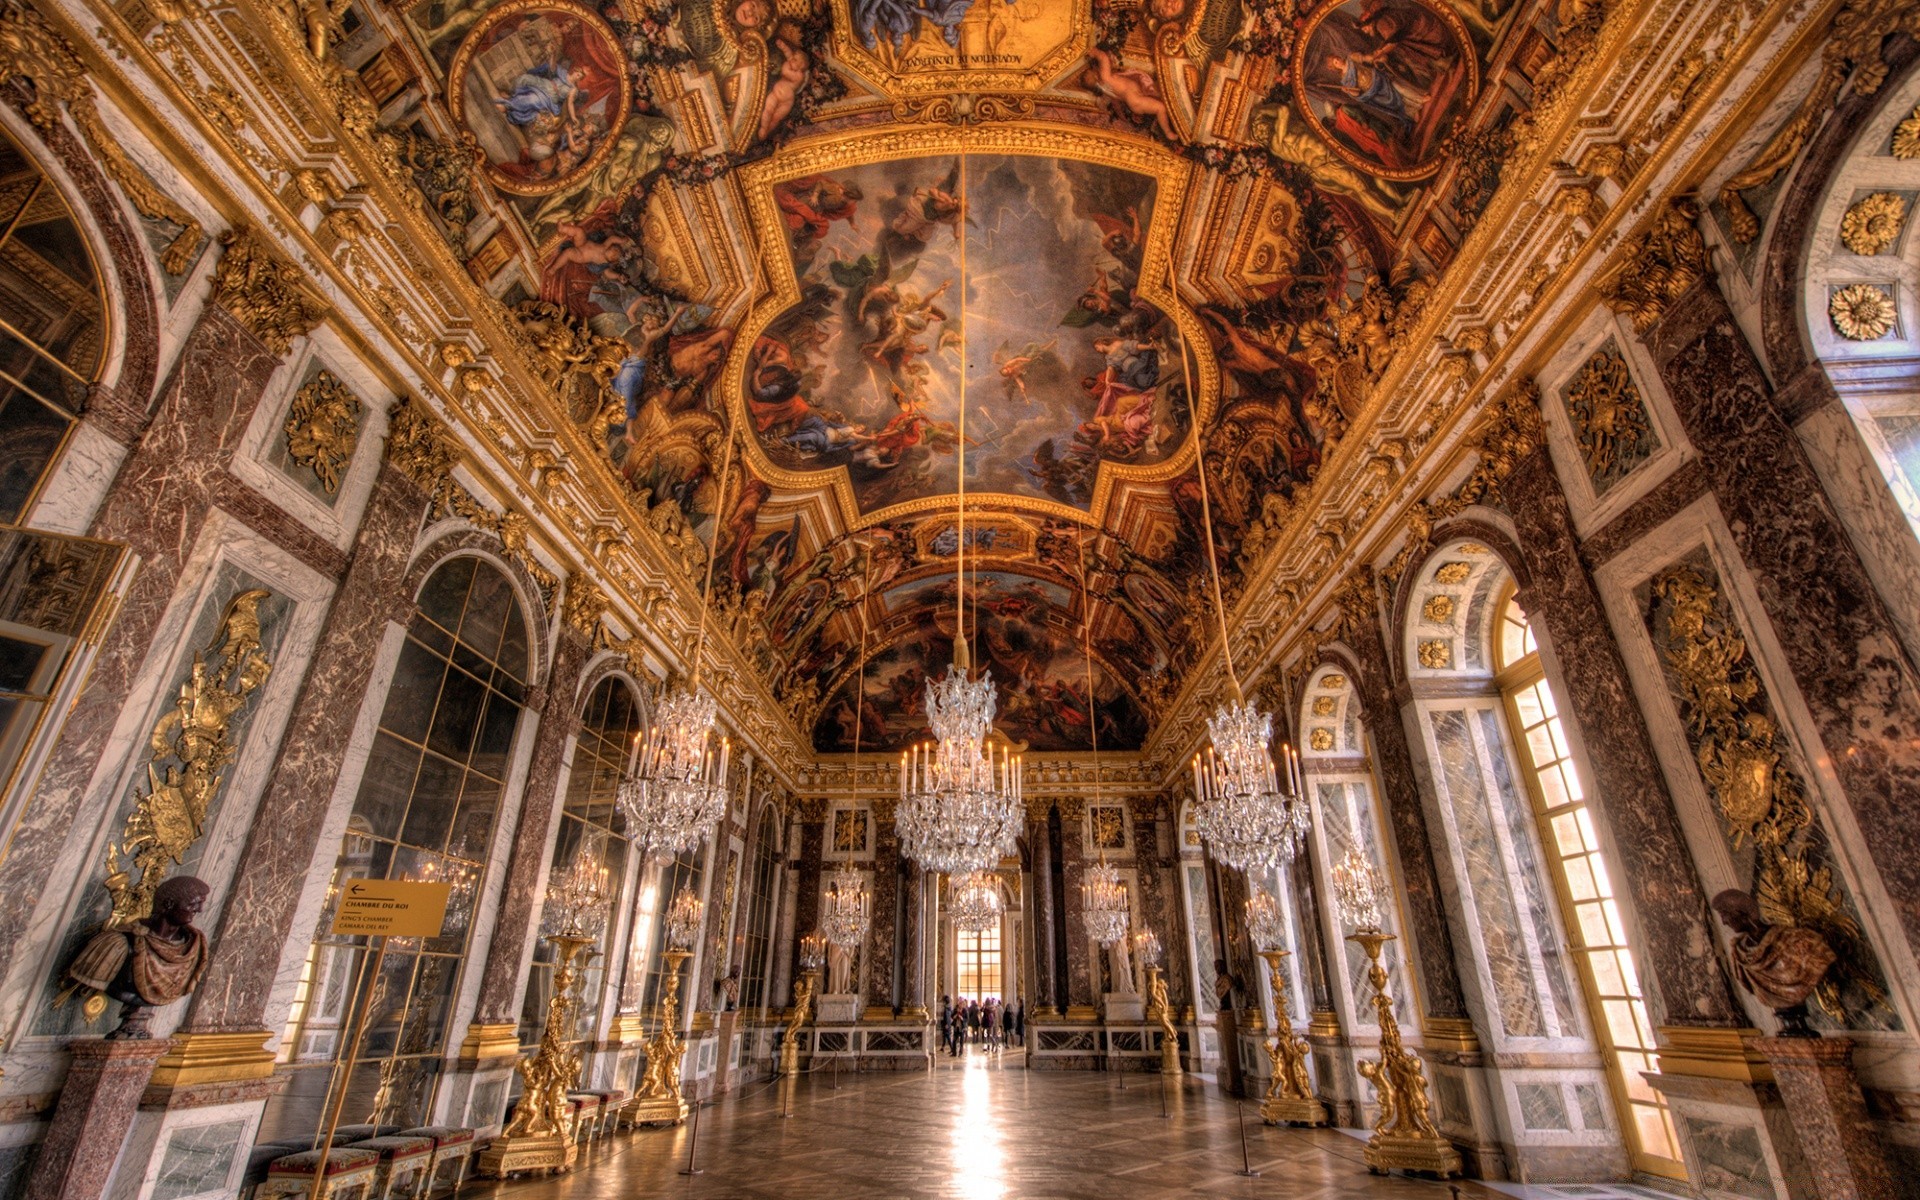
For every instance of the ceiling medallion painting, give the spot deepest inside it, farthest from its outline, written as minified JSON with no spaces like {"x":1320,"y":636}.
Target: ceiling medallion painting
{"x":541,"y":85}
{"x":919,"y":47}
{"x":1024,"y":282}
{"x":1385,"y":82}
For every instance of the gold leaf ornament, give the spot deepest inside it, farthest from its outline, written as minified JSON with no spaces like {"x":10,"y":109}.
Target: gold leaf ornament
{"x":1873,"y":222}
{"x":1861,"y":312}
{"x":1906,"y":136}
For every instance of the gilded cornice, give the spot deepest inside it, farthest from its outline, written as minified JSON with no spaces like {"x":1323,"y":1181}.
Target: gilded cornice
{"x":1640,"y":113}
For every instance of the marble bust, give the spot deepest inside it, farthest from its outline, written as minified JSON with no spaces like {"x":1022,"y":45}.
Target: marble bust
{"x":1780,"y":964}
{"x":149,"y":962}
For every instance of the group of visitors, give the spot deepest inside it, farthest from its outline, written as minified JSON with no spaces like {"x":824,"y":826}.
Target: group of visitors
{"x":991,"y":1023}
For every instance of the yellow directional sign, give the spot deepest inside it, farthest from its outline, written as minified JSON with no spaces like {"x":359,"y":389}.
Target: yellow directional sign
{"x":393,"y":908}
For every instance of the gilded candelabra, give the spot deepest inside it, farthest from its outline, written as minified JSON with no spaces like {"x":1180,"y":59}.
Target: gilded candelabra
{"x":659,"y":1100}
{"x":1147,"y":944}
{"x":1404,"y":1136}
{"x":540,"y":1136}
{"x":1290,"y":1097}
{"x":812,"y":952}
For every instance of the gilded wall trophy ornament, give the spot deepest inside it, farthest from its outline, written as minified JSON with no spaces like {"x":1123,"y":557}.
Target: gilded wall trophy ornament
{"x":1609,"y":417}
{"x":1761,"y":798}
{"x":147,"y":952}
{"x":322,"y":428}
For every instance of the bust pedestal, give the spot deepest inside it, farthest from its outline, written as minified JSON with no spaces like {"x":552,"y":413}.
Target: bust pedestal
{"x":92,"y":1116}
{"x":1125,"y":1008}
{"x":1829,"y":1115}
{"x":841,"y":1008}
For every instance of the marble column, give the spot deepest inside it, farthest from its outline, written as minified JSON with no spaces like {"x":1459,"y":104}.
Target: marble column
{"x":806,"y":907}
{"x":257,"y":920}
{"x":1043,"y":941}
{"x":1419,"y":877}
{"x":517,"y":922}
{"x":1857,"y":682}
{"x":157,"y":506}
{"x":915,"y":999}
{"x":1675,"y":948}
{"x":90,"y":1121}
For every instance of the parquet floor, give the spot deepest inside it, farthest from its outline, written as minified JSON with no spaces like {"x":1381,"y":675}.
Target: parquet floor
{"x":976,"y":1129}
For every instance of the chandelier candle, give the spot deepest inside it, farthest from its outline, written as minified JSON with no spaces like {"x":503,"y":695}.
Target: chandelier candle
{"x":676,"y":792}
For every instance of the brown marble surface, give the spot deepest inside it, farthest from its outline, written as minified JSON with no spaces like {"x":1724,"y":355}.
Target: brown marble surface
{"x":157,"y":506}
{"x":1419,"y":880}
{"x":517,"y":922}
{"x":876,"y":969}
{"x":90,"y":1123}
{"x":1661,"y":884}
{"x":258,"y":917}
{"x":806,"y":906}
{"x":1833,"y":627}
{"x":1045,"y":948}
{"x":1822,"y":1097}
{"x":1073,"y":859}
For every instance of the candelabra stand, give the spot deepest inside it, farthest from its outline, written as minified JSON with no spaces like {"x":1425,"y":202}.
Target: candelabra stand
{"x":1163,"y":1013}
{"x":1290,"y":1097}
{"x":660,"y":1101}
{"x":541,"y":1137}
{"x":802,"y":1010}
{"x":1404,"y":1137}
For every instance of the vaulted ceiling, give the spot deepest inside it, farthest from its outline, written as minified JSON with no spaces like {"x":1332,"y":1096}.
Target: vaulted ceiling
{"x":839,"y":230}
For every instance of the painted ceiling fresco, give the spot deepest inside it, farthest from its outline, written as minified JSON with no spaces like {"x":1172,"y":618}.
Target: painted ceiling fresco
{"x":808,"y":228}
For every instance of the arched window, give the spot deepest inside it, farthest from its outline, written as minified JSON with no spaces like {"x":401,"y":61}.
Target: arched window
{"x":687,"y":870}
{"x":1586,"y":891}
{"x":589,"y":817}
{"x":759,"y":935}
{"x":53,"y":327}
{"x":429,"y":797}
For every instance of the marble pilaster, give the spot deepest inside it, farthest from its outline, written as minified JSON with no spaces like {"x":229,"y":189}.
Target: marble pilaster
{"x":806,"y":907}
{"x":516,"y":923}
{"x":1419,"y":878}
{"x":1675,"y":949}
{"x":257,"y":921}
{"x":1829,"y":1114}
{"x":883,"y":941}
{"x":157,"y":507}
{"x":90,"y":1121}
{"x":1073,"y":863}
{"x":1858,"y":685}
{"x":1045,"y":973}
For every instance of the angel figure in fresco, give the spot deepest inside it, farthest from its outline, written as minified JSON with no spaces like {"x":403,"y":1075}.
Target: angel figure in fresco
{"x":811,"y":204}
{"x":1013,"y":367}
{"x":901,"y":316}
{"x":570,"y":272}
{"x":928,"y":209}
{"x":1133,"y":89}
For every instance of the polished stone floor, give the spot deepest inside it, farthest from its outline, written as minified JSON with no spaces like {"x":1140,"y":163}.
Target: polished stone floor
{"x":977,"y":1129}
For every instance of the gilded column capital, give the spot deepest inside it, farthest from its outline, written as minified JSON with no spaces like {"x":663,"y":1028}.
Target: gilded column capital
{"x":1358,"y":600}
{"x":583,"y":606}
{"x":1660,"y":265}
{"x":418,"y":444}
{"x":263,"y":291}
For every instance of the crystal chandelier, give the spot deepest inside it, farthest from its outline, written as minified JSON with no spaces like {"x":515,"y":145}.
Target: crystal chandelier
{"x":676,"y":791}
{"x":975,"y":901}
{"x":683,"y":919}
{"x":1146,"y":947}
{"x":848,"y":908}
{"x":1266,"y":922}
{"x":1247,"y":820}
{"x":1357,"y":891}
{"x":1105,"y":906}
{"x":579,"y":894}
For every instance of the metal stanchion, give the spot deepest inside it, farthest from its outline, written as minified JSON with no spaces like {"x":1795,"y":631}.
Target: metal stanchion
{"x":693,"y":1140}
{"x":1246,"y":1165}
{"x":836,"y":1073}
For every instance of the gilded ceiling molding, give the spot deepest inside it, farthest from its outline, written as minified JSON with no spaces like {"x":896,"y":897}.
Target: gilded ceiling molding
{"x":1859,"y":31}
{"x":263,"y":291}
{"x":32,"y":51}
{"x":1659,"y":266}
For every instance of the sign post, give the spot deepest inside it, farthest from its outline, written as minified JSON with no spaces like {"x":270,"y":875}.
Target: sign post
{"x":383,"y":909}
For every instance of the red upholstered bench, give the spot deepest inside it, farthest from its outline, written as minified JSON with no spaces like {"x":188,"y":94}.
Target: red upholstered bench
{"x":404,"y":1165}
{"x":452,"y":1154}
{"x":345,"y":1174}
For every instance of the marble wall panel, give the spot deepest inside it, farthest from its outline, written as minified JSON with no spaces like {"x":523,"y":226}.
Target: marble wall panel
{"x":1663,"y":894}
{"x":157,"y":506}
{"x":1860,"y":687}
